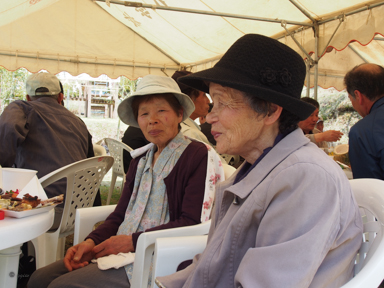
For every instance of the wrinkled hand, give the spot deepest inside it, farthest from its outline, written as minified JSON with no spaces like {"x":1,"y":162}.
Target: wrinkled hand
{"x":329,"y":136}
{"x":114,"y":245}
{"x":79,"y":255}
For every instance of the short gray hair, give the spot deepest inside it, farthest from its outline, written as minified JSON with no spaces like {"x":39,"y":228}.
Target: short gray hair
{"x":287,"y":120}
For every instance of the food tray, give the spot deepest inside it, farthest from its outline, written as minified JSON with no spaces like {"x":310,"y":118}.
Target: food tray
{"x":34,"y":211}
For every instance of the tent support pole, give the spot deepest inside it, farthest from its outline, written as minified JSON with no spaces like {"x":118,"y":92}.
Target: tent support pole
{"x":329,"y":75}
{"x":229,"y":15}
{"x":90,"y":62}
{"x":302,"y":10}
{"x":284,"y":25}
{"x":366,"y":7}
{"x":333,"y":18}
{"x":308,"y":77}
{"x":357,"y":53}
{"x":333,"y":35}
{"x":316,"y":62}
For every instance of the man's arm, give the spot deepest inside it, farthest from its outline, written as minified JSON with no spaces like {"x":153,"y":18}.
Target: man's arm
{"x":90,"y":153}
{"x":329,"y":136}
{"x":13,"y":131}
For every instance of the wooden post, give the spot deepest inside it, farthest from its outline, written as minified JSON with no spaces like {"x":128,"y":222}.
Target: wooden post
{"x":115,"y":97}
{"x":88,"y":101}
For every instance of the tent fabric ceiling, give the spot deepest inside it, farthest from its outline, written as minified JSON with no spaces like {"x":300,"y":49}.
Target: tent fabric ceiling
{"x":95,"y":37}
{"x":333,"y":66}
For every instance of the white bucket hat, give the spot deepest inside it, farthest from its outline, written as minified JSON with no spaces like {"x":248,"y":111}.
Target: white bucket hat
{"x":149,"y":85}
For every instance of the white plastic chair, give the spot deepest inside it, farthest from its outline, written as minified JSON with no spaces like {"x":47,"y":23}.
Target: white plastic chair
{"x":232,"y":160}
{"x":116,"y":149}
{"x":369,"y":266}
{"x":170,"y":252}
{"x":87,"y":218}
{"x":99,"y":150}
{"x":83,"y":181}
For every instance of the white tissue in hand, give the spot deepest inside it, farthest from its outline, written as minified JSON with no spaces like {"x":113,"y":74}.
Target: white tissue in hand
{"x":114,"y":261}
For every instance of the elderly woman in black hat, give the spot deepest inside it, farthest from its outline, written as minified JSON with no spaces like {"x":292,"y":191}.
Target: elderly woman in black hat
{"x":165,"y":188}
{"x":287,"y":216}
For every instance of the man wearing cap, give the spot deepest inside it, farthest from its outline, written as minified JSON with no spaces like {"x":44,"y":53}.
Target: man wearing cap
{"x":201,"y":101}
{"x":42,"y":135}
{"x":365,"y":88}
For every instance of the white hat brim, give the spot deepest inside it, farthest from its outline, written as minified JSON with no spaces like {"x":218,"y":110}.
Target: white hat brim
{"x":125,"y":111}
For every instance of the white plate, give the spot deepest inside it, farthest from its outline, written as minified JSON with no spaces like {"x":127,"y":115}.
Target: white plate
{"x":22,"y":214}
{"x":341,"y":149}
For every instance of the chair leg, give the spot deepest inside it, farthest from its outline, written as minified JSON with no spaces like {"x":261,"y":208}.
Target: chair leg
{"x":39,"y":244}
{"x":111,"y":187}
{"x":60,"y":248}
{"x":46,"y":248}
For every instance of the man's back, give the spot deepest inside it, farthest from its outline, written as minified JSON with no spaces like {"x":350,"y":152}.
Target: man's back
{"x":41,"y":135}
{"x":134,"y":138}
{"x":366,"y":144}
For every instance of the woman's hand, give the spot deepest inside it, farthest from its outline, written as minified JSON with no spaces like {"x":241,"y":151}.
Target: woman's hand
{"x":79,"y":255}
{"x":114,"y":245}
{"x":329,"y":136}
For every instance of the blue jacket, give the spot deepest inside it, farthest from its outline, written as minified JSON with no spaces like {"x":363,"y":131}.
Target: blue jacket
{"x":366,"y":144}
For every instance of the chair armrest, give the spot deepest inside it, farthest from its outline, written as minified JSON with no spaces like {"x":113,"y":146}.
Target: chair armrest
{"x":146,"y":246}
{"x":86,"y":218}
{"x":170,"y":252}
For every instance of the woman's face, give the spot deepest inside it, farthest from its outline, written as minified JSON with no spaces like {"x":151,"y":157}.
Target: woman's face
{"x":201,"y":106}
{"x":158,"y":121}
{"x":236,"y":127}
{"x":309,"y":124}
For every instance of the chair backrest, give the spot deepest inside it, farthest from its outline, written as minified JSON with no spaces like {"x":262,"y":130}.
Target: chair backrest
{"x":99,"y":150}
{"x":146,"y":243}
{"x":369,"y":265}
{"x":232,"y":160}
{"x":83,"y":181}
{"x":116,"y":149}
{"x":228,"y":170}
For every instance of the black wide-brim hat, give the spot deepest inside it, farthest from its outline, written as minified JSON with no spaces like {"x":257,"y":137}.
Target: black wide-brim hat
{"x":262,"y":67}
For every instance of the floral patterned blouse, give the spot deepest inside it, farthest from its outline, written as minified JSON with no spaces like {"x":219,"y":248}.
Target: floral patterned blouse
{"x":148,"y":206}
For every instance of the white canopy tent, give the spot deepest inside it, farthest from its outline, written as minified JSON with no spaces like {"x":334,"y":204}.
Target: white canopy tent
{"x":160,"y":36}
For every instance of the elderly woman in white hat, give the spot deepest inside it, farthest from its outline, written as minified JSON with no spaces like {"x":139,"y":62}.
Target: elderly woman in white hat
{"x":287,"y":217}
{"x":164,"y":188}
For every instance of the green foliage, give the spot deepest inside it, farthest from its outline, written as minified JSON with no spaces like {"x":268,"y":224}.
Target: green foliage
{"x":337,"y":111}
{"x":126,"y":86}
{"x":12,"y":85}
{"x":104,"y":190}
{"x":70,"y":90}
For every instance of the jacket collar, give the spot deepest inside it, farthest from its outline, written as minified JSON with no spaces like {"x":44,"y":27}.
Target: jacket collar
{"x":282,"y":150}
{"x":377,"y":104}
{"x":190,"y":123}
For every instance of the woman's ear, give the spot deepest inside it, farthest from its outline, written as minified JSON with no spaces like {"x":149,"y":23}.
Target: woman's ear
{"x":60,"y":98}
{"x":180,"y":116}
{"x":273,"y":114}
